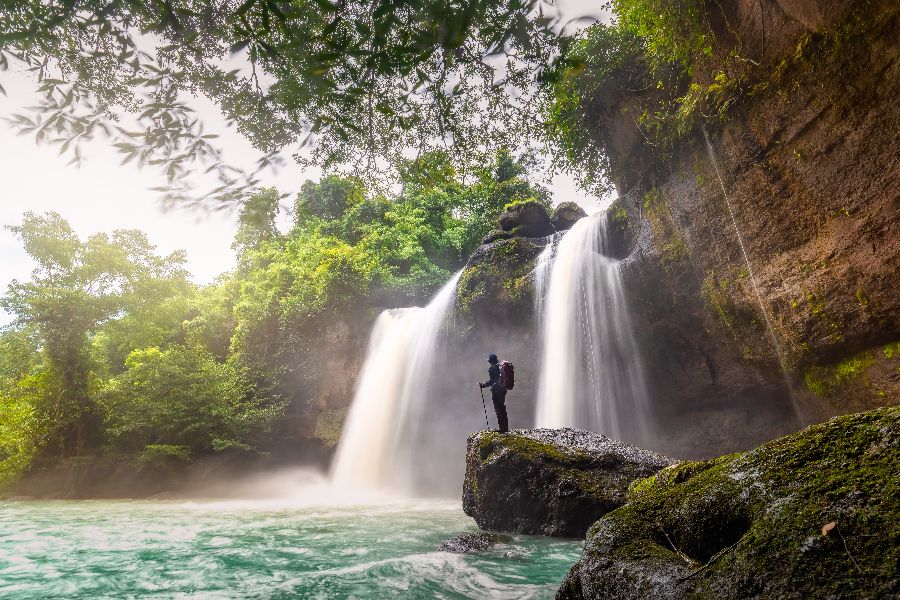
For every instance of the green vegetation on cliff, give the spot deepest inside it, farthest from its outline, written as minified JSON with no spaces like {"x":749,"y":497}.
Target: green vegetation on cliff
{"x":654,"y":47}
{"x":664,"y":67}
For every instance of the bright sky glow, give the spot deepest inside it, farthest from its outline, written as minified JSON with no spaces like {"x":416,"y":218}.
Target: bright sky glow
{"x":102,"y":195}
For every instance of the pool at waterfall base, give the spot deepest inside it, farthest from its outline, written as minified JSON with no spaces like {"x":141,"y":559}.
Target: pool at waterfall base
{"x":284,"y":548}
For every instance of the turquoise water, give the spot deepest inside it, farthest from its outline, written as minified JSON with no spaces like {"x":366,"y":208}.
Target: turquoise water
{"x":263,"y":549}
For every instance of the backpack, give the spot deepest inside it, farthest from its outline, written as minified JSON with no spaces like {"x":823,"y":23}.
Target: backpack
{"x":507,"y":375}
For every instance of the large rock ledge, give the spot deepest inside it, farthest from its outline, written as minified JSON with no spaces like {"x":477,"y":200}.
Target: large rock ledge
{"x":549,"y":481}
{"x":815,"y":514}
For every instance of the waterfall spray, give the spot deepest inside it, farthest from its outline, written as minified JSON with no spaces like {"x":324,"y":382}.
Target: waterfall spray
{"x":382,"y":436}
{"x":591,"y":371}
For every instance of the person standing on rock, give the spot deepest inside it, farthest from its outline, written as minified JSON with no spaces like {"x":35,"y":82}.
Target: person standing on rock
{"x":498,"y":391}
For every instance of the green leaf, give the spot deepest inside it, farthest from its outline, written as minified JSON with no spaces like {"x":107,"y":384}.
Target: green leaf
{"x":238,"y":46}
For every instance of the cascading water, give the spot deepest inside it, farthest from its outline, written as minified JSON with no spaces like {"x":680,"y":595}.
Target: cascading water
{"x":383,"y":433}
{"x":591,"y":373}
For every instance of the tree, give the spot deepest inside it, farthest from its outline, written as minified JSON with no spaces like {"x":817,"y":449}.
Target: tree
{"x":181,"y":402}
{"x":19,"y":362}
{"x":430,"y":170}
{"x":351,"y":249}
{"x":355,"y":83}
{"x":329,"y":198}
{"x":256,"y":221}
{"x":77,"y":286}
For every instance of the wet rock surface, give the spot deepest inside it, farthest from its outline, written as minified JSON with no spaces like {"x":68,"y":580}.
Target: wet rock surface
{"x":813,"y":514}
{"x":566,"y":214}
{"x":527,"y":219}
{"x":811,"y":174}
{"x":553,"y":482}
{"x":473,"y":542}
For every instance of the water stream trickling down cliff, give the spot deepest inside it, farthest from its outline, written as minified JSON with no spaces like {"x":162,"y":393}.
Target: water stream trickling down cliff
{"x":383,"y":438}
{"x":591,"y":376}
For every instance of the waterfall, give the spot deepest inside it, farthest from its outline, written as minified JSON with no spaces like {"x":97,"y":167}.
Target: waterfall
{"x":591,"y":375}
{"x":383,"y":434}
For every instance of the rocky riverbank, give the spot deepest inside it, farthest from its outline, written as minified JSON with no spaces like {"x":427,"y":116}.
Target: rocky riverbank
{"x":550,"y":481}
{"x":815,"y":513}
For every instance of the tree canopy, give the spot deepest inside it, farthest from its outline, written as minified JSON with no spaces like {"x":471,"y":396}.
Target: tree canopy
{"x":355,"y":85}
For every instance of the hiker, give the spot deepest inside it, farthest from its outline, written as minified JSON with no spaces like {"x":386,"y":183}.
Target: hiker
{"x":500,"y":379}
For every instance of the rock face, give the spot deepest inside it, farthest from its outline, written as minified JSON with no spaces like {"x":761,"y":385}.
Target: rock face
{"x":527,"y":219}
{"x":812,"y":515}
{"x":549,"y":481}
{"x":494,"y":312}
{"x":620,"y":234}
{"x":803,"y":249}
{"x":473,"y":542}
{"x":566,"y":214}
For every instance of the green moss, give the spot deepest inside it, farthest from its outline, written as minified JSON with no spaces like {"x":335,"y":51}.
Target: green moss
{"x":470,"y":290}
{"x":715,"y":293}
{"x":329,"y":425}
{"x":569,"y":465}
{"x":531,"y":450}
{"x":673,"y":475}
{"x":892,"y":350}
{"x":764,"y":511}
{"x":519,"y":202}
{"x":618,"y":216}
{"x":824,"y":381}
{"x":824,"y":47}
{"x":667,"y":236}
{"x":500,"y":278}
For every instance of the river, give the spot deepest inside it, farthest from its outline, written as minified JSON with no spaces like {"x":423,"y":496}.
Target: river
{"x":316,"y":545}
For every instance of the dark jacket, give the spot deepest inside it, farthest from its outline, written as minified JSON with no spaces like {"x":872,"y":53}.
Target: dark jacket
{"x":493,"y":381}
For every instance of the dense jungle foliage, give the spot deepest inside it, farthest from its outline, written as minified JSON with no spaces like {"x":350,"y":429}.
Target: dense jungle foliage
{"x":114,"y":351}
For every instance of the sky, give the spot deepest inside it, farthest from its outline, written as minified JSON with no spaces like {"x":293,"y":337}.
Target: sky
{"x":102,"y":195}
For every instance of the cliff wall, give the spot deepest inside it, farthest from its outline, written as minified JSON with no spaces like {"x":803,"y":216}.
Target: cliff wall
{"x":764,"y":282}
{"x":764,"y":273}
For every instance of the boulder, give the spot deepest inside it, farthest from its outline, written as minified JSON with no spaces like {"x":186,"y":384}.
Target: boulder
{"x":619,"y":240}
{"x":526,"y":219}
{"x":473,"y":542}
{"x":549,"y":481}
{"x":495,"y":236}
{"x":566,"y":214}
{"x":815,"y":514}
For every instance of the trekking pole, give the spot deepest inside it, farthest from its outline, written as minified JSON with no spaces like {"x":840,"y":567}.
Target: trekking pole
{"x":484,"y":407}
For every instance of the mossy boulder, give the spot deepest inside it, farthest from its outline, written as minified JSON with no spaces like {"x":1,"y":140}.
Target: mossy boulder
{"x":815,"y":514}
{"x":549,"y":481}
{"x":566,"y":215}
{"x":496,"y":235}
{"x":527,"y":219}
{"x":497,"y":284}
{"x":620,"y":233}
